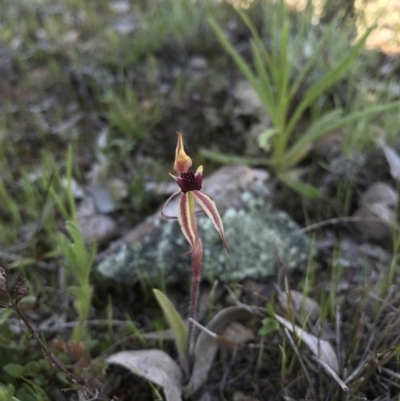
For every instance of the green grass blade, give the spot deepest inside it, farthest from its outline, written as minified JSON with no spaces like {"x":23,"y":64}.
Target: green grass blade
{"x":316,"y":130}
{"x":284,"y":67}
{"x":312,"y":60}
{"x":304,"y":189}
{"x":330,"y":78}
{"x":239,"y":60}
{"x":224,"y":158}
{"x":70,"y":195}
{"x":329,"y":122}
{"x":260,"y":45}
{"x":264,"y":89}
{"x":175,"y":322}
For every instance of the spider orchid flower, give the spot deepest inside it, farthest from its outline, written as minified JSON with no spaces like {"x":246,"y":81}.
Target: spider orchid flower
{"x":190,"y":184}
{"x":190,"y":192}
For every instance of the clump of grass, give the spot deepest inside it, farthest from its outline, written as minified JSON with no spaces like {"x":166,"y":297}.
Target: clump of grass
{"x":130,"y":121}
{"x":277,"y":78}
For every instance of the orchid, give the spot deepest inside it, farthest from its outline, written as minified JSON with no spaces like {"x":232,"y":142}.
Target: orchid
{"x":190,"y":185}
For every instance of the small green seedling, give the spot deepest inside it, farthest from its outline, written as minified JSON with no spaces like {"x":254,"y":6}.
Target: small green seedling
{"x":78,"y":264}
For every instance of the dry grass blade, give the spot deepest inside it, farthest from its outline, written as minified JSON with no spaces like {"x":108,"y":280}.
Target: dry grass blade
{"x":332,"y":373}
{"x":320,"y":348}
{"x":153,"y":365}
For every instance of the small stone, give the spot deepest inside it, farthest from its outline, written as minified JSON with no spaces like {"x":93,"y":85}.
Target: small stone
{"x":248,"y":101}
{"x":329,"y":146}
{"x":380,"y":192}
{"x":374,"y":221}
{"x":125,"y":24}
{"x":376,"y":212}
{"x":198,"y":63}
{"x":238,"y":396}
{"x":120,"y":7}
{"x":98,"y":228}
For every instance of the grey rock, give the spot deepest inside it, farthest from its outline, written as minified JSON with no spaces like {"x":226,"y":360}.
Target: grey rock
{"x":249,"y":104}
{"x":98,"y":228}
{"x":198,"y":63}
{"x":261,"y":240}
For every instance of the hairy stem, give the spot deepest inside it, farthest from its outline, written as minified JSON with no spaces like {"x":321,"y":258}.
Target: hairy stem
{"x":197,"y":257}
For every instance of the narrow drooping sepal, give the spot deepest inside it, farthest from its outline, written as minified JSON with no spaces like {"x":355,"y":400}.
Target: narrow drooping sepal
{"x":165,"y":205}
{"x":186,"y":219}
{"x":208,"y":205}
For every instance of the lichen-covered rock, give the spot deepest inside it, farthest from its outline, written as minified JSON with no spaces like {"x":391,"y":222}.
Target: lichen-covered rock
{"x":261,"y":240}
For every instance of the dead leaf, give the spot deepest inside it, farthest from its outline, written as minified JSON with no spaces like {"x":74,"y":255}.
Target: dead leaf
{"x":393,"y":160}
{"x":3,"y":280}
{"x":76,"y":351}
{"x":299,"y":303}
{"x":153,"y":365}
{"x":320,"y":348}
{"x":238,"y":333}
{"x":206,"y":346}
{"x":20,"y":289}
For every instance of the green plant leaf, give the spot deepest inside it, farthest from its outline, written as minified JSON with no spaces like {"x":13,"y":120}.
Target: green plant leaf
{"x":14,"y":370}
{"x":306,"y":190}
{"x":327,"y":123}
{"x":175,"y":323}
{"x":6,"y":393}
{"x":269,"y":325}
{"x":328,"y":80}
{"x":231,"y":159}
{"x":264,"y":88}
{"x":313,"y":59}
{"x":318,"y":129}
{"x":264,"y":138}
{"x":239,"y":60}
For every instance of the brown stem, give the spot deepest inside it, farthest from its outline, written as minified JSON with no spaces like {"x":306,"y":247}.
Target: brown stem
{"x":54,"y":361}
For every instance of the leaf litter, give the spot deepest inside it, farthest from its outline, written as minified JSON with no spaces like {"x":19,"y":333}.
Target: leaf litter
{"x":155,"y":366}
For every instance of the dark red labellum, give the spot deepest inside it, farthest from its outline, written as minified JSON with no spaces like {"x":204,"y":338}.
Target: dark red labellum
{"x":190,"y":182}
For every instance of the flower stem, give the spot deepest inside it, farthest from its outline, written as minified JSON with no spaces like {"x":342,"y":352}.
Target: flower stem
{"x":197,"y":257}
